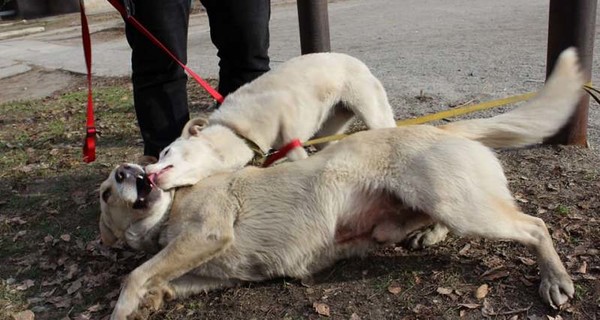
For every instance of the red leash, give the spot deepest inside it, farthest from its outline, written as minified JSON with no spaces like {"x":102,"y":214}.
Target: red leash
{"x":89,"y":145}
{"x":135,"y":23}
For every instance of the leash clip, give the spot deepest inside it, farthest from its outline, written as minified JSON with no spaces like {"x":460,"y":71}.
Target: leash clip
{"x":279,"y":154}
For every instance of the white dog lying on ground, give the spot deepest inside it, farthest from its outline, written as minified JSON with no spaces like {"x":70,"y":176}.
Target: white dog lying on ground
{"x":308,"y":96}
{"x":374,"y":187}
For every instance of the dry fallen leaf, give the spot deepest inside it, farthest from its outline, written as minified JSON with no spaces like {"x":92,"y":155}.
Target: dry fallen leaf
{"x":354,"y":316}
{"x":24,"y":315}
{"x":583,"y":267}
{"x":444,"y":291}
{"x":78,"y":197}
{"x":48,"y":239}
{"x":482,"y":291}
{"x":469,"y":305}
{"x":66,"y":237}
{"x":464,"y":249}
{"x":25,"y":285}
{"x":520,"y":197}
{"x":487,"y":308}
{"x":496,"y":275}
{"x":527,"y":261}
{"x":19,"y":235}
{"x":418,"y":308}
{"x":321,"y":308}
{"x":60,"y":302}
{"x":394,"y":288}
{"x":75,"y":285}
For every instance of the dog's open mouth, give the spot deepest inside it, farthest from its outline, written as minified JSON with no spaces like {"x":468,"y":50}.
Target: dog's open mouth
{"x":154,"y":176}
{"x":144,"y":187}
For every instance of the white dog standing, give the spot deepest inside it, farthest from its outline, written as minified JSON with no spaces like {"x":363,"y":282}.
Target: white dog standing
{"x":373,"y":187}
{"x":308,"y":96}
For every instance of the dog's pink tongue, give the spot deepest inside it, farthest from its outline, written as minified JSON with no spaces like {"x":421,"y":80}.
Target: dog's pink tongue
{"x":152,"y":178}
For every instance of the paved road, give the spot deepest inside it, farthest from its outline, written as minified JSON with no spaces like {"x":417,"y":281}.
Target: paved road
{"x":452,"y":50}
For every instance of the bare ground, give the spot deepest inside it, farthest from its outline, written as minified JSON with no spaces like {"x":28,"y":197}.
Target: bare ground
{"x":53,"y":265}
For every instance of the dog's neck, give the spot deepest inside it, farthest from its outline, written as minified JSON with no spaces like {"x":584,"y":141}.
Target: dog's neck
{"x":144,"y":233}
{"x":235,"y":149}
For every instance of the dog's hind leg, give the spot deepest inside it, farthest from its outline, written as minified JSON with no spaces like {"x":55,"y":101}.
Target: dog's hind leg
{"x":427,"y":237}
{"x":366,"y":97}
{"x":500,"y":218}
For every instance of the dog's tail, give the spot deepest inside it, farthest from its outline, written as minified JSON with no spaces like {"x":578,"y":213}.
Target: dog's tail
{"x":540,"y":118}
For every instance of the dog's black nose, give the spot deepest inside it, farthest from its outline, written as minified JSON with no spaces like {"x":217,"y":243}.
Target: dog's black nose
{"x":122,"y":172}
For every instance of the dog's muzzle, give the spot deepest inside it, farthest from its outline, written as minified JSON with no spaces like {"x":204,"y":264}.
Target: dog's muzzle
{"x":130,"y":174}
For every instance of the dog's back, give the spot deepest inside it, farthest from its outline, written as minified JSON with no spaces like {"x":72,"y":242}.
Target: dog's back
{"x":300,"y":94}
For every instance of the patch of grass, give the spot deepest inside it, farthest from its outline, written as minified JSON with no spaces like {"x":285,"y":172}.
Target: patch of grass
{"x":193,"y":304}
{"x":13,"y":109}
{"x":87,"y":233}
{"x":590,"y":176}
{"x":563,"y":210}
{"x":580,"y":291}
{"x":382,"y":283}
{"x":56,"y":128}
{"x":11,"y":301}
{"x":451,"y":280}
{"x":575,"y":240}
{"x":48,"y":227}
{"x":11,"y":158}
{"x":9,"y":248}
{"x":31,"y":272}
{"x":21,"y":138}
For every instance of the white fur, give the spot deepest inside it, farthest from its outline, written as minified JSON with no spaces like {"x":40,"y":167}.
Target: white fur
{"x":373,"y":187}
{"x":307,"y":96}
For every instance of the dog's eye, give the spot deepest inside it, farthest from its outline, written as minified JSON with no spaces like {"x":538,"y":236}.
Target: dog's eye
{"x":106,"y":195}
{"x":119,"y":176}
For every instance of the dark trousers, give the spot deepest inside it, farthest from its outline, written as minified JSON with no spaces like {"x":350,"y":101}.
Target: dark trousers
{"x":240,"y":31}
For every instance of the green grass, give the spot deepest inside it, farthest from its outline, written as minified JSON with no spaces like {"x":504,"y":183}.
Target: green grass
{"x":11,"y":301}
{"x":563,"y":210}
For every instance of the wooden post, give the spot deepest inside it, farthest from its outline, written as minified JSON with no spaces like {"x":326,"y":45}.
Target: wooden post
{"x":572,"y":23}
{"x":313,"y":19}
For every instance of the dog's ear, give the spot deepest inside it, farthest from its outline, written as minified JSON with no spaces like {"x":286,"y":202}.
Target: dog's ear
{"x":106,"y":235}
{"x":193,"y":127}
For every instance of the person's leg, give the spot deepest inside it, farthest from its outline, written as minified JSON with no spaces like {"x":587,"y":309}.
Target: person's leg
{"x":240,"y":31}
{"x":159,"y":83}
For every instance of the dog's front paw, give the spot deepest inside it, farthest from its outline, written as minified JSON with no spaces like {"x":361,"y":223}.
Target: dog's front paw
{"x":426,"y":237}
{"x":125,"y":309}
{"x":154,"y":299}
{"x":140,"y":314}
{"x":556,"y":289}
{"x":129,"y":299}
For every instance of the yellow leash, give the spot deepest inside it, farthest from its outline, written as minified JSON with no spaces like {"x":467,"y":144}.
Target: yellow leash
{"x":439,"y":115}
{"x":458,"y":111}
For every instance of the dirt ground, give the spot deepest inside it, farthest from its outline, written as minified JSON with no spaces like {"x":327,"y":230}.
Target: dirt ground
{"x":53,"y":266}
